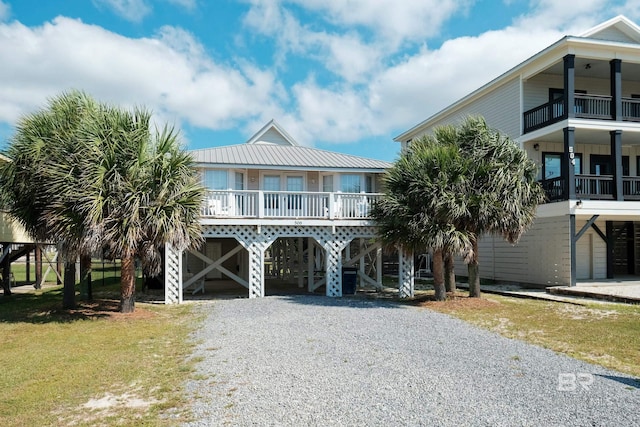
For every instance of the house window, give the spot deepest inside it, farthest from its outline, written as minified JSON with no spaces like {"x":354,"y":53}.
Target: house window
{"x":552,"y":165}
{"x":294,"y":183}
{"x":271,"y":183}
{"x":216,"y":179}
{"x":327,"y":183}
{"x":556,"y":94}
{"x":239,"y":177}
{"x":601,"y":164}
{"x":368,"y":184}
{"x":350,"y":183}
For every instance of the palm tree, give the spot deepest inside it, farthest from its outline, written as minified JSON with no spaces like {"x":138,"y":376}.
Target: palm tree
{"x":37,"y":186}
{"x":502,"y":194}
{"x":142,"y":194}
{"x":422,"y":192}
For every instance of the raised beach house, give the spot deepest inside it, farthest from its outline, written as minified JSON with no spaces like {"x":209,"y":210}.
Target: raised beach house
{"x":575,"y":108}
{"x":278,"y":214}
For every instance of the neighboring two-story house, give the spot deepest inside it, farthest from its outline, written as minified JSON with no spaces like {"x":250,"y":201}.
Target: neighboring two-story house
{"x":280,"y":214}
{"x":575,"y":108}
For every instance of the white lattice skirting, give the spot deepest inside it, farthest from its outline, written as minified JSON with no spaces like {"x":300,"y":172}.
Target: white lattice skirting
{"x":256,"y":240}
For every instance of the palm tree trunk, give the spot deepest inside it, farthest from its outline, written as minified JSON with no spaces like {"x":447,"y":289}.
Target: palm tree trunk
{"x":449,"y":273}
{"x":127,"y":284}
{"x":85,"y":277}
{"x":474,"y":272}
{"x":438,"y":275}
{"x":69,"y":289}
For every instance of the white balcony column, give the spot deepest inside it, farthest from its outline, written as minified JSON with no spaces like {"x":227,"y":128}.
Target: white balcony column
{"x":260,"y":204}
{"x":332,"y":205}
{"x":406,"y":274}
{"x":172,"y":275}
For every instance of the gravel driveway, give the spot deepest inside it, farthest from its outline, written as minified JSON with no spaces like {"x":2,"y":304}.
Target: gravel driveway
{"x":312,"y":360}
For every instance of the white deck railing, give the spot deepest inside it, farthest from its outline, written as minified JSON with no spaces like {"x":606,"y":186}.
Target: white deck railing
{"x":287,"y":204}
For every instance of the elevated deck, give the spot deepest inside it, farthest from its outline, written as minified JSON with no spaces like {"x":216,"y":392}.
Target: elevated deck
{"x":296,"y":208}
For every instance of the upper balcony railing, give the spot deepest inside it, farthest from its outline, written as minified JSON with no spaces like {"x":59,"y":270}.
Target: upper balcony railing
{"x":585,"y":106}
{"x":287,"y":204}
{"x":591,"y":187}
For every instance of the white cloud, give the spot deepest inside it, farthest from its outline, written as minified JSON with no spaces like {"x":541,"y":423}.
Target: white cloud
{"x":402,"y":94}
{"x":131,"y":10}
{"x":630,"y":8}
{"x":5,"y":11}
{"x":365,"y":31}
{"x":378,"y":87}
{"x":390,"y":20}
{"x":169,"y":73}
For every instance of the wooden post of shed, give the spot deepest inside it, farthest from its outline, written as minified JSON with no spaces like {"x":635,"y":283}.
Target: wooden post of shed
{"x":38,"y":261}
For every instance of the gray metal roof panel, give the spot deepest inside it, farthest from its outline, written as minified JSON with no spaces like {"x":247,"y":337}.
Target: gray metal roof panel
{"x":284,"y":156}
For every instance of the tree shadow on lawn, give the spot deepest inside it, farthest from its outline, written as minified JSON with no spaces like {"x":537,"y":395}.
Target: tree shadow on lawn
{"x":47,"y":308}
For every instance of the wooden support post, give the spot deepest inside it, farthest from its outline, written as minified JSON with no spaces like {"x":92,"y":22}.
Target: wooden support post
{"x":311,"y":262}
{"x":300,"y":263}
{"x":610,"y":251}
{"x":38,"y":261}
{"x":362,"y":260}
{"x":379,"y":266}
{"x":6,"y":268}
{"x":59,"y":269}
{"x":28,"y":266}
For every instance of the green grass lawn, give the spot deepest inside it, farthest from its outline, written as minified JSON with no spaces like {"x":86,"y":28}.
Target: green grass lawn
{"x":92,"y":366}
{"x":605,"y":334}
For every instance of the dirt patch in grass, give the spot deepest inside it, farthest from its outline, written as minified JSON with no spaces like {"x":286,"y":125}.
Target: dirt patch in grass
{"x":106,"y":308}
{"x":457,"y":302}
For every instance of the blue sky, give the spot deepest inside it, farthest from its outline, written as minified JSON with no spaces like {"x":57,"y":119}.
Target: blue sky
{"x":342,"y":75}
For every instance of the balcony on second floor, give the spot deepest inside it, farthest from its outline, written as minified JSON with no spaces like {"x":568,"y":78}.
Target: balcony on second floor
{"x":293,"y":205}
{"x":584,"y":106}
{"x":591,"y":187}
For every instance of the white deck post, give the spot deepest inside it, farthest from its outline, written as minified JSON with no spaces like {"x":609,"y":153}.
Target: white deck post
{"x":333,"y":269}
{"x":256,"y":270}
{"x":260,"y":204}
{"x":405,"y":273}
{"x":172,"y":275}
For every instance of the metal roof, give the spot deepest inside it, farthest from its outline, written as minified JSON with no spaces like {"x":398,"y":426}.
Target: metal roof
{"x":285,"y":156}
